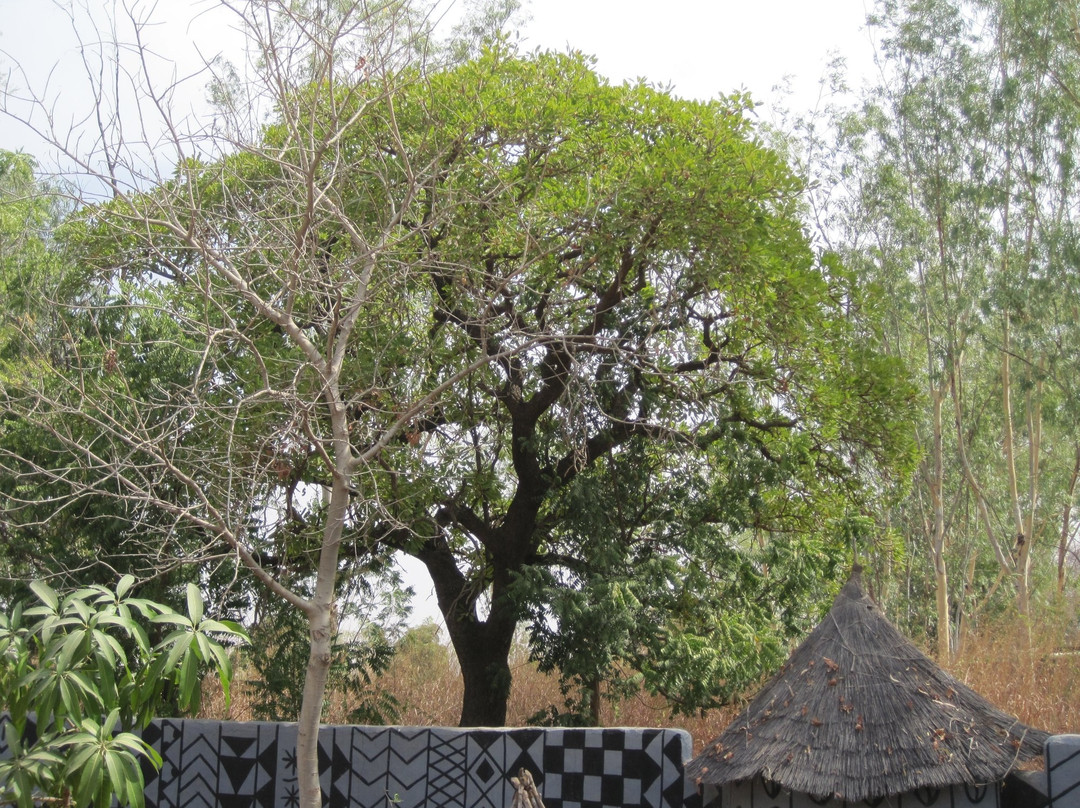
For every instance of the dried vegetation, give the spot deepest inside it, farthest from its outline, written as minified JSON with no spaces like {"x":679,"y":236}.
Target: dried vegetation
{"x":1031,"y":672}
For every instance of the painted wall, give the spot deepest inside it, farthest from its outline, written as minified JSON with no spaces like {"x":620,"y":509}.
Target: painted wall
{"x":1063,"y":770}
{"x":253,"y":765}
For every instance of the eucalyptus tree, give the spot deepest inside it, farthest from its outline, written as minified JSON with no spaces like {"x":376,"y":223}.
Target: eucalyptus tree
{"x":1039,"y":43}
{"x":962,"y":207}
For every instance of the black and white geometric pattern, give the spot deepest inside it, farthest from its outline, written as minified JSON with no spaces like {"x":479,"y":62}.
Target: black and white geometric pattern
{"x":1063,"y":770}
{"x":253,"y":765}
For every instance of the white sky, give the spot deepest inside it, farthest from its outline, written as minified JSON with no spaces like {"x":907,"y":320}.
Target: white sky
{"x":702,"y":48}
{"x":709,"y":47}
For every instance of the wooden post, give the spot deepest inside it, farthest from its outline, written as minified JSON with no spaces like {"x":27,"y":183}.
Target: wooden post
{"x":526,"y":794}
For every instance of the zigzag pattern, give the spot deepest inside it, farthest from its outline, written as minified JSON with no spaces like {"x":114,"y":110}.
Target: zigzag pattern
{"x":407,"y":773}
{"x":199,"y":764}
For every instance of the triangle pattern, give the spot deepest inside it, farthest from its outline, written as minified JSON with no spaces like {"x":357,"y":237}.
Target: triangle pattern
{"x":239,"y":744}
{"x":265,"y":795}
{"x":268,"y":758}
{"x":673,"y":794}
{"x":236,"y":800}
{"x":673,"y":765}
{"x":152,"y":733}
{"x":485,"y":739}
{"x":254,"y":766}
{"x":340,"y":765}
{"x":525,"y":748}
{"x":338,"y":797}
{"x":238,"y":770}
{"x":650,"y":761}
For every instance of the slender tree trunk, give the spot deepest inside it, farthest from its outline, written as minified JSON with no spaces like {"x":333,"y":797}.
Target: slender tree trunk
{"x":595,"y":702}
{"x":964,"y":614}
{"x":1066,"y":522}
{"x":1005,"y":561}
{"x":937,"y":543}
{"x":1027,"y":543}
{"x":307,"y":731}
{"x":1008,"y":445}
{"x":938,"y":391}
{"x":320,"y":614}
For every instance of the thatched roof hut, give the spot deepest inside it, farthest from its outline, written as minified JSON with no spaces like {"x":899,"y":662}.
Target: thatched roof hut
{"x":859,"y":713}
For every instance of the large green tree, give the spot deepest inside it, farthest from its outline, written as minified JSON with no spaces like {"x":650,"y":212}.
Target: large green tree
{"x":90,"y":539}
{"x":650,"y":249}
{"x":440,"y":310}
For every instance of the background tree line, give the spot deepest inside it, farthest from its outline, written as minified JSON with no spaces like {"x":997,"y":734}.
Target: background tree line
{"x":951,"y":190}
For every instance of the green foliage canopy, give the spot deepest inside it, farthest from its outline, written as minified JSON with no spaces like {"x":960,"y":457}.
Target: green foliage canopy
{"x":501,"y":291}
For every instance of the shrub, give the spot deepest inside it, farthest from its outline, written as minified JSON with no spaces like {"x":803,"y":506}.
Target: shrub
{"x":81,"y":670}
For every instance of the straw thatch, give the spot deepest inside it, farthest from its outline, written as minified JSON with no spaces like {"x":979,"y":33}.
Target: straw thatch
{"x":858,"y":712}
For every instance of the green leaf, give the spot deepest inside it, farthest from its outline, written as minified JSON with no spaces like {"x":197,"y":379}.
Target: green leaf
{"x":124,"y":586}
{"x":194,"y":604}
{"x":82,"y":671}
{"x":178,"y":643}
{"x":173,"y":619}
{"x":75,"y":645}
{"x":46,"y":595}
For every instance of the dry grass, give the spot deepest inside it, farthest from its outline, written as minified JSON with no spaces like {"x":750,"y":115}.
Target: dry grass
{"x":1021,"y":670}
{"x":428,"y":688}
{"x":1027,"y":671}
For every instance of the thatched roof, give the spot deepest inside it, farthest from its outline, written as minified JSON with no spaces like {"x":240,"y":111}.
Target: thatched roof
{"x":859,"y":712}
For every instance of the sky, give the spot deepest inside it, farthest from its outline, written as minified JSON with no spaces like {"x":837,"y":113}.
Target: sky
{"x":700,"y":48}
{"x":708,"y":47}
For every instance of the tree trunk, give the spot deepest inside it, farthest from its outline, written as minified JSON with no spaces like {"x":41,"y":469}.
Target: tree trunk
{"x":937,"y":543}
{"x":307,"y":728}
{"x":320,"y":614}
{"x":1005,"y":561}
{"x":1026,"y":538}
{"x":482,"y":646}
{"x":485,"y":669}
{"x":1020,"y":540}
{"x":1066,"y":526}
{"x":595,"y":702}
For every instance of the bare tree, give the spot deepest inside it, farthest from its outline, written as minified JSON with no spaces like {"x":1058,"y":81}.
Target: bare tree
{"x":244,"y":301}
